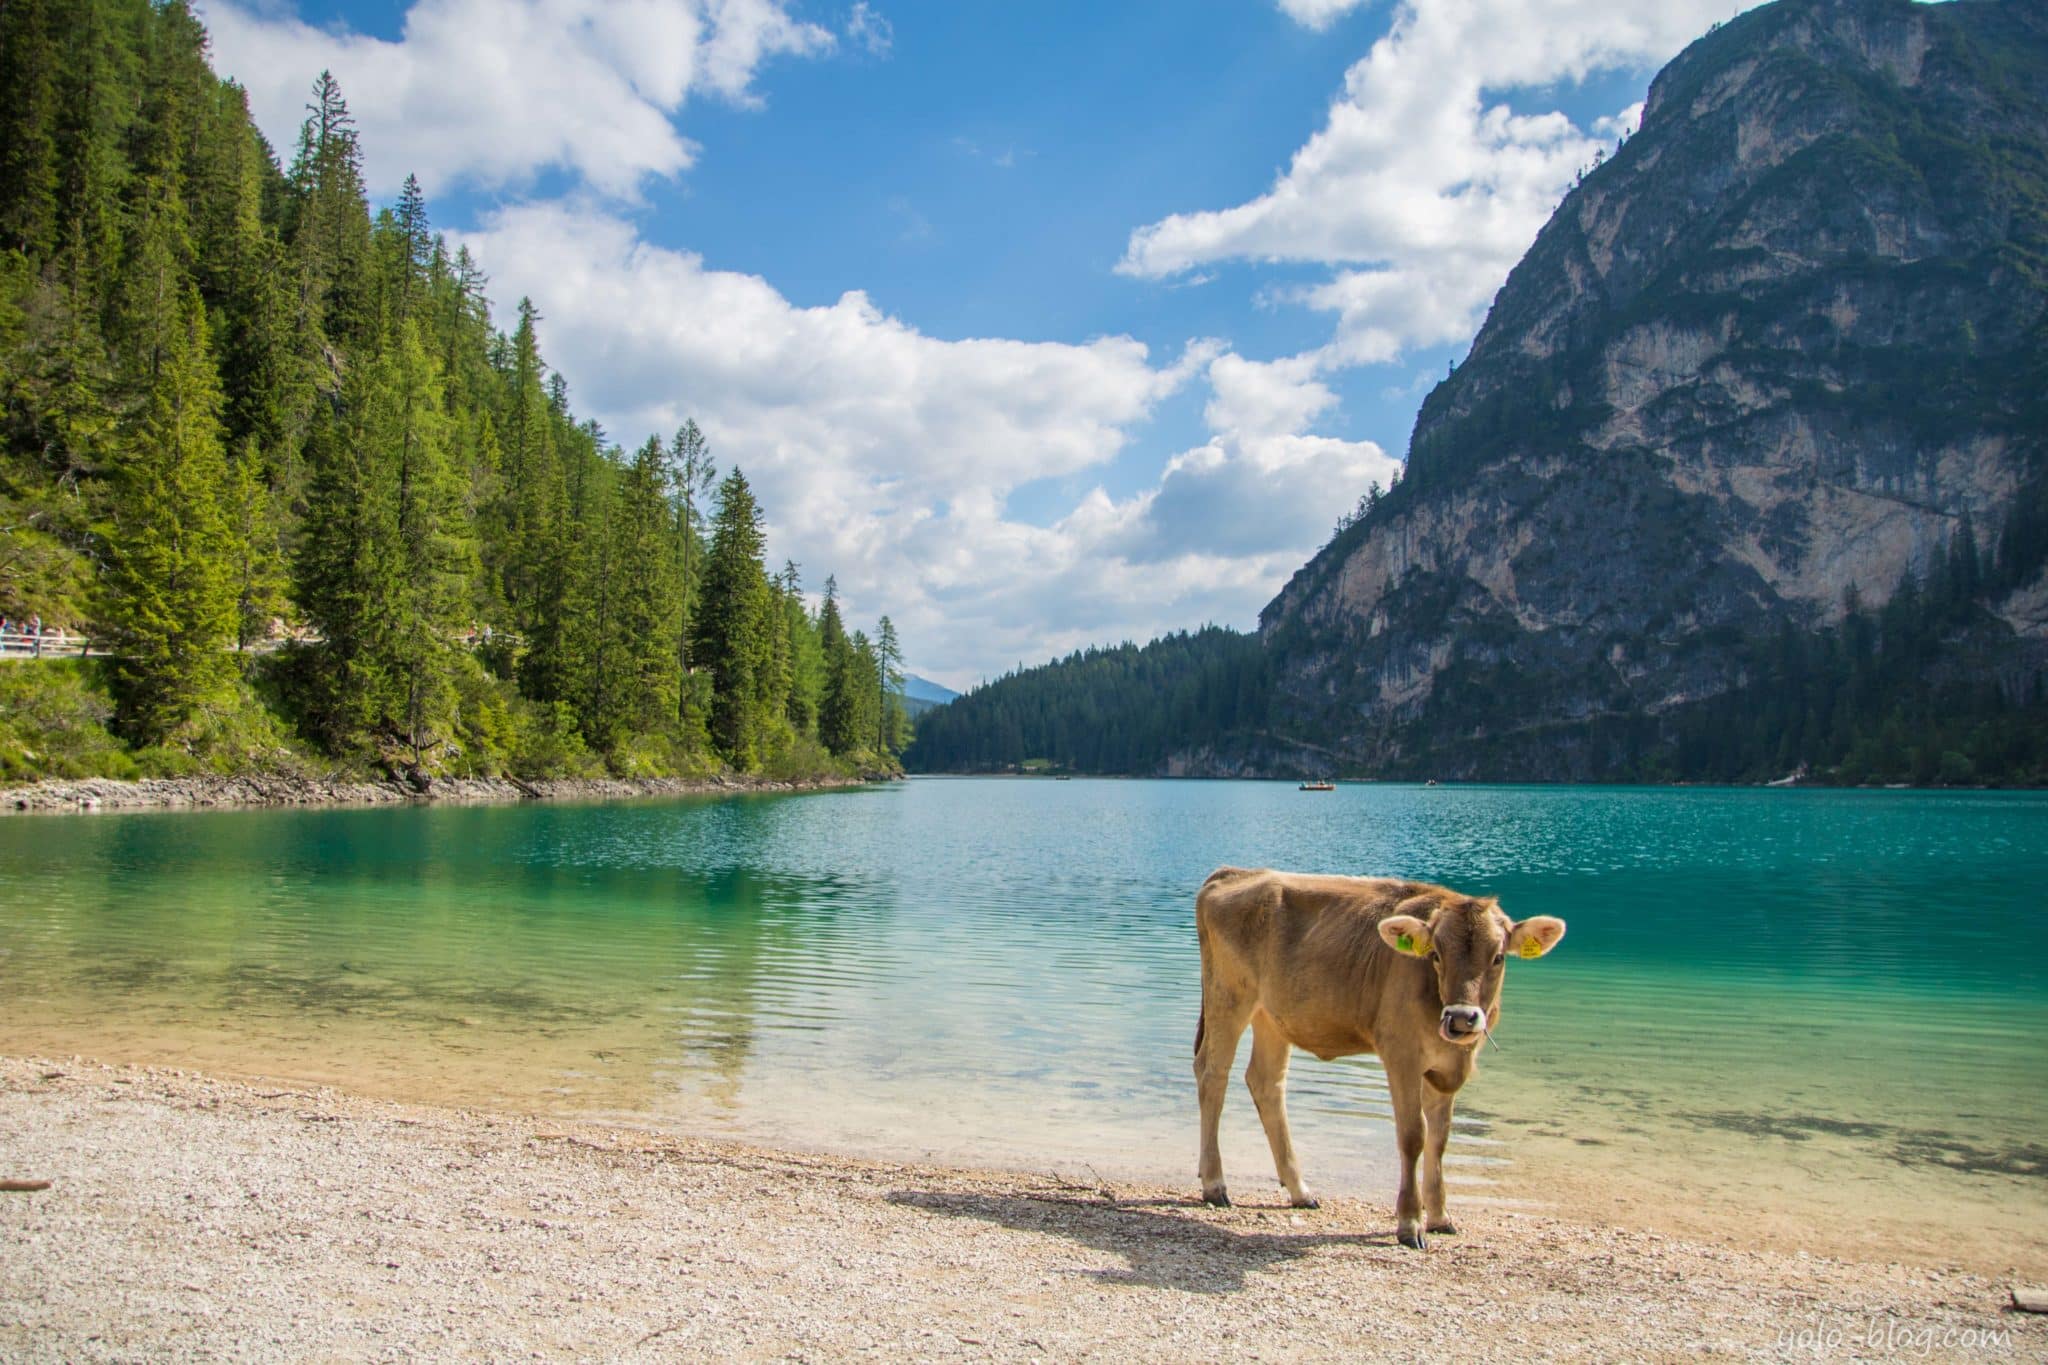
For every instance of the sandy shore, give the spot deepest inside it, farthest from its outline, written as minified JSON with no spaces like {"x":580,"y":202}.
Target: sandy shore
{"x":264,"y":789}
{"x":189,"y":1216}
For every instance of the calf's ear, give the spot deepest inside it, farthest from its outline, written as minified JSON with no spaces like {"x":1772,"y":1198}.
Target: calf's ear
{"x":1406,"y":934}
{"x":1534,"y":936}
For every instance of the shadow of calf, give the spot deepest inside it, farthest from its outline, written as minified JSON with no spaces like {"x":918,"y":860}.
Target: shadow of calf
{"x":1171,"y":1244}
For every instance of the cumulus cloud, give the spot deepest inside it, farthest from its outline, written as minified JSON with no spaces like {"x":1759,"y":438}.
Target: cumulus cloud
{"x":1258,"y":486}
{"x":1318,"y":14}
{"x":493,"y":92}
{"x":886,"y":456}
{"x":1423,"y":188}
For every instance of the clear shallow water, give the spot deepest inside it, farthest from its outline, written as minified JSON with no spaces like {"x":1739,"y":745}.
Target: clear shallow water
{"x":1827,"y":999}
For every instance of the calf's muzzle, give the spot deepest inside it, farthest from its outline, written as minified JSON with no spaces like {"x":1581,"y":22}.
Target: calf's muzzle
{"x":1462,"y":1023}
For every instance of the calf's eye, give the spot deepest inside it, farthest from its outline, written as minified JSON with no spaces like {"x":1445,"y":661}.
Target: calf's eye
{"x":1499,"y":958}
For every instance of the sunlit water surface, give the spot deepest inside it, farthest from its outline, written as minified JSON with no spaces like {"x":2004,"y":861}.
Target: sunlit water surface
{"x":1816,"y":1004}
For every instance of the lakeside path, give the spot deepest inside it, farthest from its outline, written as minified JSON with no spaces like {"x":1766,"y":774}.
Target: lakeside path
{"x":275,"y":790}
{"x":190,"y":1216}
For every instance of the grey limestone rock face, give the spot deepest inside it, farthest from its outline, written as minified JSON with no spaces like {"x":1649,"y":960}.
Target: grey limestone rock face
{"x":1769,"y":358}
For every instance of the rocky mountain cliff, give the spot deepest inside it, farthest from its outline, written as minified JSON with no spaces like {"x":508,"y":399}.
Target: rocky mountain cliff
{"x":1782,"y":353}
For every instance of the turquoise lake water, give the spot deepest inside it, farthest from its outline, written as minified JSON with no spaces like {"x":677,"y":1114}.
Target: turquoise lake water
{"x":1852,"y":986}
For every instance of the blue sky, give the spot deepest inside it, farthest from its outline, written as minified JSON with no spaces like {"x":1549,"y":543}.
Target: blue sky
{"x":1037,"y":324}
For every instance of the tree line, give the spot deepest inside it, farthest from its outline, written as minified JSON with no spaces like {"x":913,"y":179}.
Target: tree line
{"x":1125,"y":709}
{"x":232,"y":395}
{"x":1920,"y":690}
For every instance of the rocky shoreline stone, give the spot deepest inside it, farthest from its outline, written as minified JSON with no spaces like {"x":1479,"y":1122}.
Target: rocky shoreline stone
{"x":284,"y":789}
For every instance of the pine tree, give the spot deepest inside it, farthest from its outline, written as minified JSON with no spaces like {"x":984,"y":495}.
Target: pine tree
{"x":28,"y":123}
{"x":89,"y":165}
{"x":806,"y":656}
{"x":839,"y":706}
{"x":169,"y":609}
{"x":893,"y":729}
{"x":734,"y":626}
{"x":649,"y":596}
{"x":691,"y":475}
{"x":147,"y":314}
{"x":327,"y":221}
{"x":344,"y":576}
{"x":434,"y":551}
{"x":255,"y":526}
{"x":415,"y":245}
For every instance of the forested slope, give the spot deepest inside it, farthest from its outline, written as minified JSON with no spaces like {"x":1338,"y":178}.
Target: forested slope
{"x":238,"y":405}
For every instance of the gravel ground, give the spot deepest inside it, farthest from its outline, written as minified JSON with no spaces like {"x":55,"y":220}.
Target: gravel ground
{"x":191,"y":1217}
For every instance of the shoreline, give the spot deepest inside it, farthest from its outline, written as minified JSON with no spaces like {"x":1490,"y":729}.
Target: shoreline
{"x":281,"y":791}
{"x":191,"y":1215}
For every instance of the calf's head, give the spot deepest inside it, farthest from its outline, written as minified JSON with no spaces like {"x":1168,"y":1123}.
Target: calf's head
{"x":1467,"y":940}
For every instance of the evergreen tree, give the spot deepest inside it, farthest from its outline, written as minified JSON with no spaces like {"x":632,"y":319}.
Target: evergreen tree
{"x":28,"y":124}
{"x":806,"y":655}
{"x":148,"y":305}
{"x":734,"y":628}
{"x":691,"y":475}
{"x":255,"y":524}
{"x":893,"y":730}
{"x":649,"y":616}
{"x":327,"y":220}
{"x":89,"y":164}
{"x":345,"y":576}
{"x":839,"y":704}
{"x":408,"y":429}
{"x":169,"y":610}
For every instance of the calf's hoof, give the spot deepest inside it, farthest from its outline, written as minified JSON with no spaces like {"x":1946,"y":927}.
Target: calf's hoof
{"x":1306,"y":1200}
{"x":1412,"y":1237}
{"x":1218,"y":1196}
{"x":1445,"y":1226}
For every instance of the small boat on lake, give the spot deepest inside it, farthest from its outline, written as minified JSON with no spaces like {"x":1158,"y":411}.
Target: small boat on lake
{"x":1318,"y":786}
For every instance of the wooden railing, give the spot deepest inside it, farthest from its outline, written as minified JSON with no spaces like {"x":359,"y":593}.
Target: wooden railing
{"x":51,"y":643}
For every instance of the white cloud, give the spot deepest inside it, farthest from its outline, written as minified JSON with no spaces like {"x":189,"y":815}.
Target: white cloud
{"x":1422,"y":188}
{"x":1258,"y":486}
{"x":496,"y":91}
{"x":868,"y":31}
{"x":886,"y":456}
{"x":1318,"y":14}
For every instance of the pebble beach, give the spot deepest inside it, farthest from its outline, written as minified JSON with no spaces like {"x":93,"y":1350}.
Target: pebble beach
{"x":195,"y":1217}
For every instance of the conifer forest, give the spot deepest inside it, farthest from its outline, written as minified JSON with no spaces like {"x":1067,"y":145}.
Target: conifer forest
{"x":267,"y":456}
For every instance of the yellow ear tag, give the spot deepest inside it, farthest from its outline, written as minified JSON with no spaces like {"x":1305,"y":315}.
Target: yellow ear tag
{"x":1405,"y":942}
{"x":1530,"y":948}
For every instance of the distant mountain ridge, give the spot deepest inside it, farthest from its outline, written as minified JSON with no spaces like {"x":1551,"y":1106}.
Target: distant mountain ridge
{"x":922,"y":694}
{"x":921,"y":689}
{"x":1747,"y":468}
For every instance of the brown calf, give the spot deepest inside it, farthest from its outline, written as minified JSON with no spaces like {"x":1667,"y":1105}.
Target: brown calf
{"x":1343,"y":965}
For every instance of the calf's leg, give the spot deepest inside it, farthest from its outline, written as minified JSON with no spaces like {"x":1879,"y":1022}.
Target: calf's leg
{"x":1404,"y":1088}
{"x":1266,"y":1077}
{"x":1223,"y":1021}
{"x":1436,"y":1114}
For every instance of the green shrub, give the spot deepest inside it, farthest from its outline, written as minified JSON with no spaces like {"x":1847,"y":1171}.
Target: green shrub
{"x":53,"y":722}
{"x":804,"y":759}
{"x":661,"y":754}
{"x":546,"y":743}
